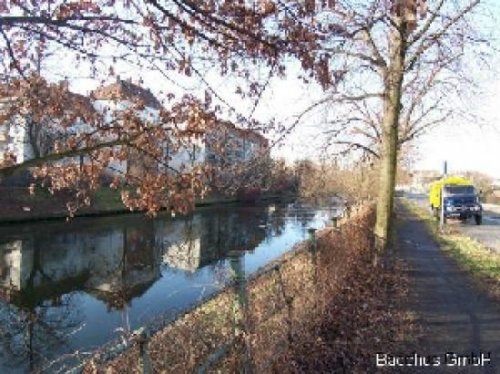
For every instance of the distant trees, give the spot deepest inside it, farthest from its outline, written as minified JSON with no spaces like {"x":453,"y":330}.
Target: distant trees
{"x":326,"y":179}
{"x":482,"y":182}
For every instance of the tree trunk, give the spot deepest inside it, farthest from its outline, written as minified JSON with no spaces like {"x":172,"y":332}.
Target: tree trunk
{"x":393,"y":79}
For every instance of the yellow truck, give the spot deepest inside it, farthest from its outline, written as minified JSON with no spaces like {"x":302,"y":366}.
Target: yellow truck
{"x":460,"y":199}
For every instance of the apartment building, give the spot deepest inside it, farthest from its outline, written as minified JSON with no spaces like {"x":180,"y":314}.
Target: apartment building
{"x":19,"y":142}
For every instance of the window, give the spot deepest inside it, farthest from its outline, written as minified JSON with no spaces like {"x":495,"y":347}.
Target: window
{"x":459,"y":190}
{"x":193,"y":154}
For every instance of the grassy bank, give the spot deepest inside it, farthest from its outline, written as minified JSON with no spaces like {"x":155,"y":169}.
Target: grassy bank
{"x":482,"y":263}
{"x":18,"y":205}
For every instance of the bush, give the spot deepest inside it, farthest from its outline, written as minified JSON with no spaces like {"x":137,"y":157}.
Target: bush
{"x":248,"y":194}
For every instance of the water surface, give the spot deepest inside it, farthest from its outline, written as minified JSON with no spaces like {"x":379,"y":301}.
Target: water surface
{"x":78,"y":285}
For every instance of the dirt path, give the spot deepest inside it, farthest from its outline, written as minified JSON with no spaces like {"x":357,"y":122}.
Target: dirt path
{"x":455,"y":315}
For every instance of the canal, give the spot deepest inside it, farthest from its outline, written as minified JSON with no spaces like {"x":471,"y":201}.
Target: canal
{"x":74,"y":286}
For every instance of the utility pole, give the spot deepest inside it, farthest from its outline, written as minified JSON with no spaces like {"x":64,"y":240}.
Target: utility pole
{"x":445,"y":173}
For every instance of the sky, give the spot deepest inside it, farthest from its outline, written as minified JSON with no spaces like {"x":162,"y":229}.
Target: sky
{"x":466,"y":146}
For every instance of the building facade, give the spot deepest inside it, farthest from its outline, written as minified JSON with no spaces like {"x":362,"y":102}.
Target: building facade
{"x":20,"y":143}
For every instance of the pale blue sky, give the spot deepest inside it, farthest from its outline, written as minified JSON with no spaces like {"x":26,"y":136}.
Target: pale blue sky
{"x":467,"y":146}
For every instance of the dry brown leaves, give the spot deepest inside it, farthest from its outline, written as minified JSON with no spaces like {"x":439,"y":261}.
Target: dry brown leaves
{"x":362,"y":319}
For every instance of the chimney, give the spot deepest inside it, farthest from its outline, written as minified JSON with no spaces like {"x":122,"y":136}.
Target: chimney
{"x":65,"y":84}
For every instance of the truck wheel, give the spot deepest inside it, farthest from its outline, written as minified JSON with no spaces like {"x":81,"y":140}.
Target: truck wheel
{"x":478,"y":218}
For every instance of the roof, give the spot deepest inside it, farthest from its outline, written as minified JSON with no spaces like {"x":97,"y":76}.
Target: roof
{"x":83,"y":103}
{"x":126,"y":90}
{"x":53,"y":93}
{"x":453,"y":180}
{"x":123,"y":294}
{"x":246,"y":133}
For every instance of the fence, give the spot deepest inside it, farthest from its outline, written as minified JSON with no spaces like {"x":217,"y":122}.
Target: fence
{"x":253,"y":324}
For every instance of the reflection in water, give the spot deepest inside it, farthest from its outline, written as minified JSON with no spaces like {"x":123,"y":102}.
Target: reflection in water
{"x":68,"y":286}
{"x":37,"y":311}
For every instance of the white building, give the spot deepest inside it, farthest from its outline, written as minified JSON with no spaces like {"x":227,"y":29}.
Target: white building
{"x":14,"y":139}
{"x":17,"y":143}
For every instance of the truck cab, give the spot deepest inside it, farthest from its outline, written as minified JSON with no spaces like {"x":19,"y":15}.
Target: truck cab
{"x":460,"y":199}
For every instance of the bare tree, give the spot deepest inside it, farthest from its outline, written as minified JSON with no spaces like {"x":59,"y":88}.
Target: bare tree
{"x":406,"y":66}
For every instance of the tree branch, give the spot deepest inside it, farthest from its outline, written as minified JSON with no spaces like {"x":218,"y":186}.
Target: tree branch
{"x":15,"y":61}
{"x":356,"y":145}
{"x":9,"y":170}
{"x":434,"y":38}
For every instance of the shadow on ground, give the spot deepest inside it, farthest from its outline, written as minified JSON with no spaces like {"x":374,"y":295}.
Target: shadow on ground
{"x":455,"y":315}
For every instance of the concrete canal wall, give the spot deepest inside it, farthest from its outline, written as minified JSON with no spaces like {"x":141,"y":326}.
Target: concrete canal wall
{"x":252,"y":322}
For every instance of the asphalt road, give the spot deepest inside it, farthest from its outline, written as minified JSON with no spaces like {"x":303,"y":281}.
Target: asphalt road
{"x":488,"y":233}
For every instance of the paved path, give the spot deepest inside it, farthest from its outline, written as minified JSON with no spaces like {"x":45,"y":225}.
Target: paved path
{"x":456,"y":316}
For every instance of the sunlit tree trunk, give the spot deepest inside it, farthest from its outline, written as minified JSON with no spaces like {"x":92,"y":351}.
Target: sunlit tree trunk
{"x":393,"y":79}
